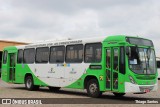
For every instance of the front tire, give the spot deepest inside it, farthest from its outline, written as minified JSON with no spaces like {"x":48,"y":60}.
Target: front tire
{"x":93,"y":88}
{"x":29,"y":84}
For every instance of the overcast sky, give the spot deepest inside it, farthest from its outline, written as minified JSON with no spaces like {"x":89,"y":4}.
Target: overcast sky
{"x":35,"y":20}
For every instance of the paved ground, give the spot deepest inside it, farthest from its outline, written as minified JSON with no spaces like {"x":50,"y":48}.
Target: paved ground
{"x":18,"y":91}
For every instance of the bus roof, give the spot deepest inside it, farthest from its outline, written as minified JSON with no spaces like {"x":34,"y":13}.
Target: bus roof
{"x":76,"y":41}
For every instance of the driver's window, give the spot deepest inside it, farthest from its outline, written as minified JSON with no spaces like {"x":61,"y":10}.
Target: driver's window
{"x":134,"y":58}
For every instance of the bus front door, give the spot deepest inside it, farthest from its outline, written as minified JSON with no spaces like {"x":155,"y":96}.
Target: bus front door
{"x":112,"y":69}
{"x":12,"y":62}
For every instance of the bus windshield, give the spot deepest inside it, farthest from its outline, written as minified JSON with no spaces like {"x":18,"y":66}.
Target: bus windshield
{"x":142,"y":60}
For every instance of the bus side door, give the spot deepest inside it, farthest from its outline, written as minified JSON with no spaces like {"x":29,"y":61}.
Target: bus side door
{"x":11,"y":64}
{"x":112,"y":68}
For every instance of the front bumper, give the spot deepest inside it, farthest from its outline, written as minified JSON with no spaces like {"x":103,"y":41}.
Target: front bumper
{"x":134,"y":88}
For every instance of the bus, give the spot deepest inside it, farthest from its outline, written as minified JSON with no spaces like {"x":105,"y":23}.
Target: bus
{"x":119,"y":64}
{"x":158,"y":66}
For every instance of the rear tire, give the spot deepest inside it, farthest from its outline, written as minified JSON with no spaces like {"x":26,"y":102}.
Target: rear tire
{"x":119,"y":94}
{"x":93,"y":88}
{"x":54,"y":89}
{"x":29,"y":84}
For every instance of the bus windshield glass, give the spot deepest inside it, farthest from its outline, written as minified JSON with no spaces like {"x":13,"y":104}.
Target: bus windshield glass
{"x":142,"y":60}
{"x":139,"y":41}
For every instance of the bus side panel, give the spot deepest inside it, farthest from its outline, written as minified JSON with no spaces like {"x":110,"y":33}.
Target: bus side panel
{"x":98,"y":74}
{"x":5,"y":70}
{"x":20,"y":73}
{"x":38,"y":82}
{"x":121,"y":83}
{"x":22,"y":70}
{"x":77,"y":85}
{"x":5,"y":73}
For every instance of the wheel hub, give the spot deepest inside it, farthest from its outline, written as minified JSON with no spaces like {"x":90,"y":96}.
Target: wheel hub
{"x":29,"y":83}
{"x":93,"y":88}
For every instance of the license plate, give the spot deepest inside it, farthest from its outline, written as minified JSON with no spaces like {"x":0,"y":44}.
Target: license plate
{"x":146,"y":90}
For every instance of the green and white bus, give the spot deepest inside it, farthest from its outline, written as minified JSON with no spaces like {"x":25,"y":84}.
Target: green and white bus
{"x":119,"y":64}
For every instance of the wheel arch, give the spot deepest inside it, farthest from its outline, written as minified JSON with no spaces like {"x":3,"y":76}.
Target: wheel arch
{"x":26,"y":75}
{"x":89,"y":77}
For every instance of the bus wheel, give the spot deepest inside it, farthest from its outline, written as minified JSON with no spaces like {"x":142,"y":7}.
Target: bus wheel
{"x":54,"y":89}
{"x":29,"y":84}
{"x":93,"y":88}
{"x":119,"y":94}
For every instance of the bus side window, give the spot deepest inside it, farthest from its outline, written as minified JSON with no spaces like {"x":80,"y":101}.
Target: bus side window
{"x":42,"y":55}
{"x":20,"y":56}
{"x":74,"y":53}
{"x":57,"y":54}
{"x":93,"y":53}
{"x":12,"y":60}
{"x":29,"y":56}
{"x":98,"y":54}
{"x":5,"y":57}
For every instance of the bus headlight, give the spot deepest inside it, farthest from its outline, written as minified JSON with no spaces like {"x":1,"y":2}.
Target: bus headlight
{"x":132,"y":80}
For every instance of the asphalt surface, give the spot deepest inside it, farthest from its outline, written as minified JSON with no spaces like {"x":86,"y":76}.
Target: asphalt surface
{"x":73,"y":96}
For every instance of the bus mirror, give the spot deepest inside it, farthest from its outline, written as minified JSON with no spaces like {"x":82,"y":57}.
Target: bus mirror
{"x":128,"y":51}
